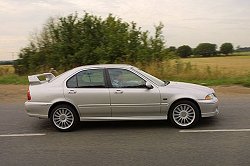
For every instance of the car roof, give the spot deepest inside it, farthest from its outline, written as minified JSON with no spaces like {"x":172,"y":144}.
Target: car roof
{"x":69,"y":72}
{"x":104,"y":66}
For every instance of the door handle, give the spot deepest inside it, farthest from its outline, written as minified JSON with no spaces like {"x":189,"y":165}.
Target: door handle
{"x":118,"y":92}
{"x":72,"y":92}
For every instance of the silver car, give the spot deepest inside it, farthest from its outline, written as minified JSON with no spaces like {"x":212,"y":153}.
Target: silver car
{"x":116,"y":92}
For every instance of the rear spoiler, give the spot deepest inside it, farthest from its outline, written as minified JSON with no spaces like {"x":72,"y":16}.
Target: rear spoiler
{"x":34,"y":80}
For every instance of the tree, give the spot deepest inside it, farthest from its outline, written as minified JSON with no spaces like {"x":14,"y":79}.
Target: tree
{"x":184,"y":51}
{"x":172,"y":49}
{"x":226,"y":48}
{"x":158,"y":43}
{"x":71,"y":41}
{"x":205,"y":49}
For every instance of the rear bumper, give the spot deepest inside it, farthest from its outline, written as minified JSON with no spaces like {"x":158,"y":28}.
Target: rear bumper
{"x":37,"y":109}
{"x":209,"y":107}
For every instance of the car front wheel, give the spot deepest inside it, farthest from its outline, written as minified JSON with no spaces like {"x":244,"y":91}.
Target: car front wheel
{"x":64,"y":117}
{"x":184,"y":114}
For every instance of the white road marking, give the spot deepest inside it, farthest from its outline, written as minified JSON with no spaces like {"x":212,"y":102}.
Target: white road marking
{"x":221,"y":130}
{"x":22,"y":135}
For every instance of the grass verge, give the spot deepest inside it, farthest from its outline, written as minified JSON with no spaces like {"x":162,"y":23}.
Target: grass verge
{"x":13,"y":79}
{"x":244,"y":81}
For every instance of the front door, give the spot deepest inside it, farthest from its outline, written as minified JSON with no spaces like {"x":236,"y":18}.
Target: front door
{"x":87,"y":89}
{"x":130,"y":97}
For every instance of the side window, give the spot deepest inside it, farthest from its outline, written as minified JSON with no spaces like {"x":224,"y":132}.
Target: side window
{"x":92,"y":78}
{"x":121,"y":78}
{"x":72,"y":82}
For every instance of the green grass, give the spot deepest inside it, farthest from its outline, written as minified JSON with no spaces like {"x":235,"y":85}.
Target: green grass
{"x":244,"y":81}
{"x":13,"y":79}
{"x":241,"y":53}
{"x":7,"y":76}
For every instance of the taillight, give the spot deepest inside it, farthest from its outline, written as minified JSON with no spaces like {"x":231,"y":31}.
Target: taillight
{"x":28,"y":95}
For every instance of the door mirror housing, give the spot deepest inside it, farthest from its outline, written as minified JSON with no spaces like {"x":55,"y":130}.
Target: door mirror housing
{"x":149,"y":86}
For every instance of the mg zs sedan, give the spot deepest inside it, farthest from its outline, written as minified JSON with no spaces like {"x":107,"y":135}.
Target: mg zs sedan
{"x":116,"y":92}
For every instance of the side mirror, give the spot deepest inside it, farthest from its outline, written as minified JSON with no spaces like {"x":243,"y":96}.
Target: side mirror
{"x":149,"y":86}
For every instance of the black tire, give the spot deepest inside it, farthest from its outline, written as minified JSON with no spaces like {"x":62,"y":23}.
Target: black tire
{"x":184,"y":114}
{"x":64,"y":117}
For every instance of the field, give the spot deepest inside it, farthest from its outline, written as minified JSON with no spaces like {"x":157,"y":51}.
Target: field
{"x":231,"y":66}
{"x":221,"y":70}
{"x":208,"y":71}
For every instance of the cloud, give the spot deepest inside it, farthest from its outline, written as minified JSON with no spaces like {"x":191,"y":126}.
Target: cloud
{"x":186,"y":21}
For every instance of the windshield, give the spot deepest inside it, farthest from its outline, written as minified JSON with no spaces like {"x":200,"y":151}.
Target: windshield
{"x":152,"y":78}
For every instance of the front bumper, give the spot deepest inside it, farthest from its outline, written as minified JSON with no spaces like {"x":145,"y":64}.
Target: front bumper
{"x":209,"y":107}
{"x":37,"y":109}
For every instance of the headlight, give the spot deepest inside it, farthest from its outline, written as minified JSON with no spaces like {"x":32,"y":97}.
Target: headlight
{"x":210,"y":96}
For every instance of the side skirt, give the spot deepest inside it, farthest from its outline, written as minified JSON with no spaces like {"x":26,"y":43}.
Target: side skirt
{"x":123,"y":118}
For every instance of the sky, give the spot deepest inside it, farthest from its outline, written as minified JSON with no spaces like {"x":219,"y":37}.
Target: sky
{"x":186,"y":22}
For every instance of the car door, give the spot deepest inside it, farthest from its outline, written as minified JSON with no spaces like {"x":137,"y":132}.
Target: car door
{"x":129,"y":95}
{"x":88,"y":91}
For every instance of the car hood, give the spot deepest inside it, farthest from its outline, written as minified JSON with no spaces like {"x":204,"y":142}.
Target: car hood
{"x":189,"y":87}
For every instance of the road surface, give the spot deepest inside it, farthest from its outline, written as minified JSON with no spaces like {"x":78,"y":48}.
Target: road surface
{"x":221,"y":140}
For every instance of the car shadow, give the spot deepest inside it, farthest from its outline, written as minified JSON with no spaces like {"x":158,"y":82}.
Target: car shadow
{"x":141,"y":124}
{"x":46,"y":125}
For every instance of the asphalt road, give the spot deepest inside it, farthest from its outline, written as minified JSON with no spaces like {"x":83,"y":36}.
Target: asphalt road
{"x":215,"y":141}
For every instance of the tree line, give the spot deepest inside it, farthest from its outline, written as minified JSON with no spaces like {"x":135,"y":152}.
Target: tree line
{"x":67,"y":42}
{"x":203,"y":49}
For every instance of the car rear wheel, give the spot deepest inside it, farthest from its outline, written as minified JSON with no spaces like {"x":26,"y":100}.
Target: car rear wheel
{"x":184,"y":114}
{"x":64,"y":117}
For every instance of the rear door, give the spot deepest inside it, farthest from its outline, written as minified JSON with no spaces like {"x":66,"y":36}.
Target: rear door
{"x":88,"y":90}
